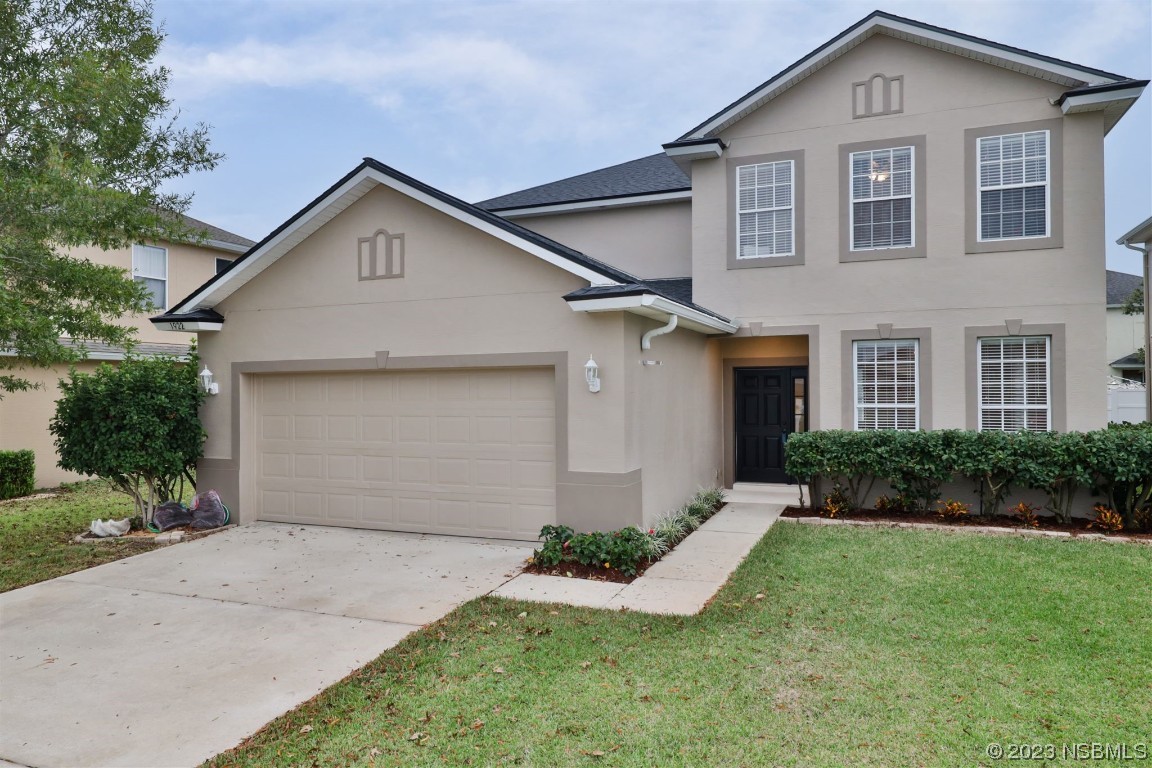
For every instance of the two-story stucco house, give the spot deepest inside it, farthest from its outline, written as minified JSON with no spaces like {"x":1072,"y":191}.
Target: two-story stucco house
{"x":170,"y":270}
{"x":904,"y":229}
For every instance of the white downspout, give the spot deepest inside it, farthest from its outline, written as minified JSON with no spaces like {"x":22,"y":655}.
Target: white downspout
{"x":1147,"y":326}
{"x":646,"y":342}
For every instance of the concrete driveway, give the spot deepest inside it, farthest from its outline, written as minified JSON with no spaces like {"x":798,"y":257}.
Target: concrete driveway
{"x":170,"y":657}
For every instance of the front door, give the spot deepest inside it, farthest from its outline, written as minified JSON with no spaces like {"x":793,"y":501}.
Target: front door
{"x":771,"y":403}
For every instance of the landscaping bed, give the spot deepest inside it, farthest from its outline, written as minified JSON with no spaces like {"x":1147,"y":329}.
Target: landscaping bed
{"x":1007,"y":522}
{"x":619,"y":556}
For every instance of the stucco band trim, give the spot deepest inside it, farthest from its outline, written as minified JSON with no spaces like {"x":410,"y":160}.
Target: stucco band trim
{"x":848,"y":370}
{"x":733,"y":225}
{"x":1057,"y":369}
{"x":1055,"y":239}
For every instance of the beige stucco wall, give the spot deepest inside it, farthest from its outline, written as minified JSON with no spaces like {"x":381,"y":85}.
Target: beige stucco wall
{"x":646,"y":240}
{"x":948,"y":290}
{"x":189,"y":266}
{"x":24,"y":418}
{"x":463,"y":293}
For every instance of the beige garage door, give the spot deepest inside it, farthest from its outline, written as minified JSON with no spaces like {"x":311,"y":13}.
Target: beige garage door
{"x":461,"y":452}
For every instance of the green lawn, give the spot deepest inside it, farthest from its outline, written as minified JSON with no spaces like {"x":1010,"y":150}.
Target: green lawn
{"x":36,"y":536}
{"x":869,"y":647}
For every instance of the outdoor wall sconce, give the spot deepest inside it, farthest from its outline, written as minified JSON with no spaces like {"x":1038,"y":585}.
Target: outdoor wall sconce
{"x":206,"y":381}
{"x":592,"y":375}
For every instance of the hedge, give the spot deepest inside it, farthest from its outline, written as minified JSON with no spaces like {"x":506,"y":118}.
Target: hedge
{"x":17,"y":473}
{"x":1115,"y":463}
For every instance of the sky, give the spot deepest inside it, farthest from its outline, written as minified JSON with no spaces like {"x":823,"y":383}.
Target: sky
{"x":483,"y":98}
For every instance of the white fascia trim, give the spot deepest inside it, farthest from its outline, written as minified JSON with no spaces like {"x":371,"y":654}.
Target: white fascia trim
{"x":184,"y":326}
{"x":220,"y":245}
{"x":587,"y":205}
{"x":652,"y":302}
{"x":1090,"y":102}
{"x":696,"y":151}
{"x":1138,"y":234}
{"x":219,"y":290}
{"x":829,"y":51}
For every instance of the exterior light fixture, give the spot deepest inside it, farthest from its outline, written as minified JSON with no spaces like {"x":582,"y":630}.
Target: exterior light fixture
{"x":878,"y":173}
{"x":210,"y":386}
{"x":592,"y":375}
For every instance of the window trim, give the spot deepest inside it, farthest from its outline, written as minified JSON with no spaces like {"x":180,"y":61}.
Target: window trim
{"x":1055,"y":236}
{"x":1047,"y":184}
{"x":919,"y":247}
{"x":857,"y":405}
{"x":885,"y":332}
{"x":1057,"y":367}
{"x":790,"y":208}
{"x":852,"y":200}
{"x":981,"y":407}
{"x":136,"y":273}
{"x":732,"y":228}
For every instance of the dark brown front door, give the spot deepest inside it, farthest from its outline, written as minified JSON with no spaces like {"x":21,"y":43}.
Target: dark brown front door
{"x":770,"y":404}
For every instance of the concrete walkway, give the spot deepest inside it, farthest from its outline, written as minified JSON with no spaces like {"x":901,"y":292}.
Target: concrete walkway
{"x":170,"y":657}
{"x":685,"y":579}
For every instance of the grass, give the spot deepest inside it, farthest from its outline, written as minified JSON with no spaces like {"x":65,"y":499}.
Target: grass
{"x":36,"y":536}
{"x":867,"y":648}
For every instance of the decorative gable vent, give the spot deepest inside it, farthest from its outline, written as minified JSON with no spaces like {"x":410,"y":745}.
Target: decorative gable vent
{"x":878,"y":95}
{"x":381,"y":256}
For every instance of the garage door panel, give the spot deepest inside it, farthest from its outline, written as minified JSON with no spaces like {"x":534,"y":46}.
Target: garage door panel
{"x":466,"y":452}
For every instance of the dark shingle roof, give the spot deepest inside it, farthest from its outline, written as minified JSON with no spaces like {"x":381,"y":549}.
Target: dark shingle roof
{"x":1134,"y":360}
{"x":1121,"y":285}
{"x":677,"y":289}
{"x":215,"y":233}
{"x":655,"y":173}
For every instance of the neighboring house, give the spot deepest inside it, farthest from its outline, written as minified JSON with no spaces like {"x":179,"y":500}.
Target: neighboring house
{"x":1125,"y":333}
{"x":171,"y":270}
{"x":899,"y":230}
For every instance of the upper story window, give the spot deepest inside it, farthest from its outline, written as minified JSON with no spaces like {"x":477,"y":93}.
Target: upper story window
{"x":765,"y":210}
{"x":887,"y":374}
{"x":222,"y":264}
{"x":1015,"y":383}
{"x":882,"y":190}
{"x":1013,"y":181}
{"x":150,"y":266}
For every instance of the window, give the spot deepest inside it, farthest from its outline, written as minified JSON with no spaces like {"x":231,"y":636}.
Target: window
{"x":764,"y":204}
{"x":1014,"y":380}
{"x":381,"y":256}
{"x":150,"y":266}
{"x":222,"y":264}
{"x":887,"y":377}
{"x":1013,"y":182}
{"x":882,"y":193}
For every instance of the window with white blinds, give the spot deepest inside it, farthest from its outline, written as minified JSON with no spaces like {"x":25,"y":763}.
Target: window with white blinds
{"x":765,"y":210}
{"x":1014,"y":375}
{"x":882,"y":199}
{"x":1013,"y":179}
{"x":887,"y":375}
{"x":150,"y":266}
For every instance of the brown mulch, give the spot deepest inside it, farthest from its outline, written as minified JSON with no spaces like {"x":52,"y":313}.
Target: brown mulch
{"x":579,"y":571}
{"x":999,"y":521}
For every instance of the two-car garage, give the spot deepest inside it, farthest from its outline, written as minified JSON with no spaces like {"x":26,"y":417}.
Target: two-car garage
{"x":466,"y":452}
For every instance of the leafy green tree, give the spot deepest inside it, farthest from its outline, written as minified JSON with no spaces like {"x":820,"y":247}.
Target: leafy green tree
{"x":87,"y":140}
{"x":1135,"y":306}
{"x":135,"y":425}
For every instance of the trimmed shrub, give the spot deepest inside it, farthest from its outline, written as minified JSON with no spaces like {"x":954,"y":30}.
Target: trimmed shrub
{"x":17,"y":473}
{"x":1115,"y":463}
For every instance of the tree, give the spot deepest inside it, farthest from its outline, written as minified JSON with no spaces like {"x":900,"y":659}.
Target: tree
{"x":135,"y":425}
{"x":87,"y":140}
{"x":1135,"y":306}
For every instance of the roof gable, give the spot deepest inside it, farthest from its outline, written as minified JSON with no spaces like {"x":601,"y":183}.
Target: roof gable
{"x":1064,"y":73}
{"x":366,"y":176}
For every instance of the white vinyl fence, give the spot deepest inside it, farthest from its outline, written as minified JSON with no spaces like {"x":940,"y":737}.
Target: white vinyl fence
{"x":1127,"y":402}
